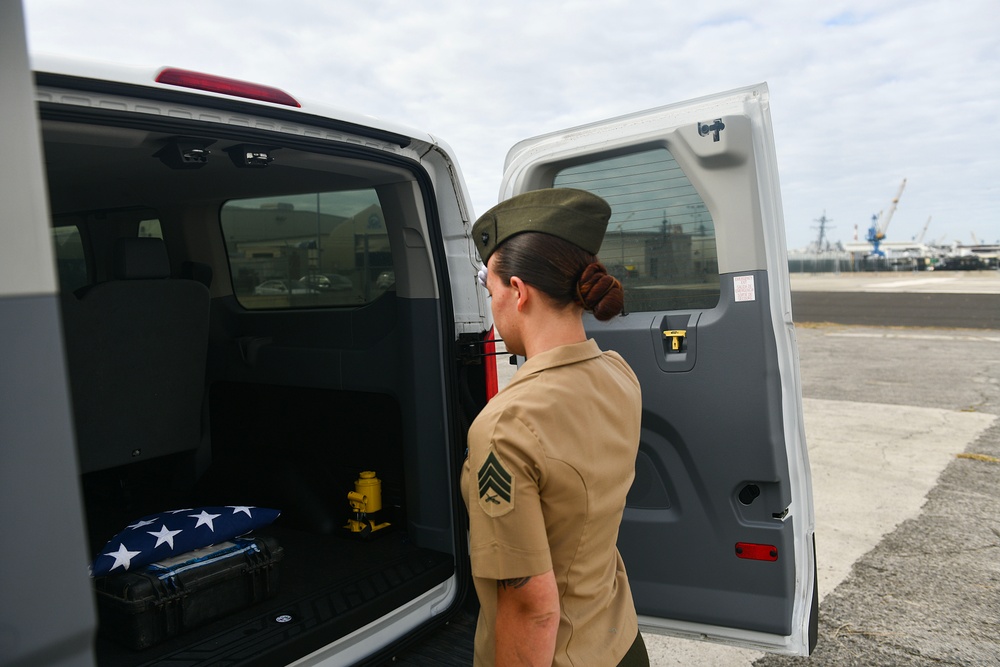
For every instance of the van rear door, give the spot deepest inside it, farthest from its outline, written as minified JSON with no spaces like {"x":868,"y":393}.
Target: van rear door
{"x":717,"y":535}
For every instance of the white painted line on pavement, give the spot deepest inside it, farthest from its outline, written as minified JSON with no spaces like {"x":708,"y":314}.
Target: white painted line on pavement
{"x":915,"y":336}
{"x":893,"y":284}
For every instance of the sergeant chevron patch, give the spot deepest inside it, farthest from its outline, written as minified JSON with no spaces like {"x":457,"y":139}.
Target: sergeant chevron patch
{"x":496,"y":487}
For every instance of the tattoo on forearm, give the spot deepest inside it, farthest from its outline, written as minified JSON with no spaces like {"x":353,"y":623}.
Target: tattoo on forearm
{"x":514,"y":583}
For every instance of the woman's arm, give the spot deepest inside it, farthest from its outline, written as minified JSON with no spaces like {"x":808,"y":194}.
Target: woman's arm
{"x":527,"y":620}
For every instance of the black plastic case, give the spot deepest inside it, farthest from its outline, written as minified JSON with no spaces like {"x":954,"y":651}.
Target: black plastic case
{"x":142,"y":608}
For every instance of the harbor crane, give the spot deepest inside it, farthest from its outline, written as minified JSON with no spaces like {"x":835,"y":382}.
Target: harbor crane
{"x":876,"y":233}
{"x":920,"y":239}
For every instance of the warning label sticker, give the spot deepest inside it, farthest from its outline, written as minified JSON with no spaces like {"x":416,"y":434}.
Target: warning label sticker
{"x":743,"y":286}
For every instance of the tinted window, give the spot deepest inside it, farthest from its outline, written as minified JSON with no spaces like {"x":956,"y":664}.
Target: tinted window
{"x":71,"y":263}
{"x":661,"y":240}
{"x":307,"y":251}
{"x":150,"y":228}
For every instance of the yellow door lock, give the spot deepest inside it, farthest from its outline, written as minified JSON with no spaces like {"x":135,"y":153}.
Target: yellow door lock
{"x":676,"y":337}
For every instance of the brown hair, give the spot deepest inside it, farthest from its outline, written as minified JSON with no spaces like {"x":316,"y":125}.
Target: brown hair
{"x":561,"y":270}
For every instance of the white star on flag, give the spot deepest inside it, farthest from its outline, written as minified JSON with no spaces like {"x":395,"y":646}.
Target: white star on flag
{"x":171,"y":533}
{"x":164,"y":535}
{"x":205,"y":519}
{"x":123,"y":557}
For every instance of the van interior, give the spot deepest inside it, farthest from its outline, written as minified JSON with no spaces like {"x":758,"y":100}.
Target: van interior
{"x":254,"y":318}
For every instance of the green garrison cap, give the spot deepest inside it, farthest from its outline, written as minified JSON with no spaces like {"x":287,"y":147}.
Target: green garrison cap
{"x":577,"y":216}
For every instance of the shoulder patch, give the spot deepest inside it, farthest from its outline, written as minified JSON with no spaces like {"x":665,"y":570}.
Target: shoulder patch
{"x":496,"y":486}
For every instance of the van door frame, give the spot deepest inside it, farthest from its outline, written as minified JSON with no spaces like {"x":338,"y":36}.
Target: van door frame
{"x":48,"y":613}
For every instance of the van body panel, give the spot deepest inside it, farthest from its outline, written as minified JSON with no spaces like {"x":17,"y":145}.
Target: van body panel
{"x":48,"y":614}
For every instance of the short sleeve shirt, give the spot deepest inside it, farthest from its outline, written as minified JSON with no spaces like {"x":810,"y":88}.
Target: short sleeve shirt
{"x":551,"y":460}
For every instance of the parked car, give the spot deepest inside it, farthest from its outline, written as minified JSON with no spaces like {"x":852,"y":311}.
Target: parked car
{"x":327,"y":282}
{"x":130,"y":396}
{"x":283,"y":288}
{"x":316,"y":281}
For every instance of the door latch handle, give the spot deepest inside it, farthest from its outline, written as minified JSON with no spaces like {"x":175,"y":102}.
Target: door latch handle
{"x":676,"y":338}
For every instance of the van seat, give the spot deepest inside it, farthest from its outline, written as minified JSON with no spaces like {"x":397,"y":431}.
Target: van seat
{"x":136,"y":348}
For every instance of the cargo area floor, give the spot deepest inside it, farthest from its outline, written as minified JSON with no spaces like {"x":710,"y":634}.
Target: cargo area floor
{"x":328,"y":586}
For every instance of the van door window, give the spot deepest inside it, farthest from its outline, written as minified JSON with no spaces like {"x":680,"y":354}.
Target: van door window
{"x":71,"y":263}
{"x":660,"y":241}
{"x":306,"y":251}
{"x":150,"y":228}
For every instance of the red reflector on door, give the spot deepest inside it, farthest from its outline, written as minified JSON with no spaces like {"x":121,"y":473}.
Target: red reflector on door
{"x":752,"y":551}
{"x":220,"y":84}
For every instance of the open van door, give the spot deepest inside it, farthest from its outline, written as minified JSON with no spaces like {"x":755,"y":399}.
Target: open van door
{"x":717,"y":534}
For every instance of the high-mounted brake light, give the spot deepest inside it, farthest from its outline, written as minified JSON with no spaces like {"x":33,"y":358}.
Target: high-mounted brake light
{"x":220,"y":84}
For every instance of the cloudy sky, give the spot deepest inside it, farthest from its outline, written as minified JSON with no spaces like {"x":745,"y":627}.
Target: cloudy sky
{"x":864,"y":93}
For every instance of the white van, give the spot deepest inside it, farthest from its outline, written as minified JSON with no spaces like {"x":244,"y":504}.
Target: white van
{"x":194,"y":314}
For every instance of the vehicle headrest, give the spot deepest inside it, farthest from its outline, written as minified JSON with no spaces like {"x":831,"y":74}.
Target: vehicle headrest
{"x":197,"y":271}
{"x":140,"y":259}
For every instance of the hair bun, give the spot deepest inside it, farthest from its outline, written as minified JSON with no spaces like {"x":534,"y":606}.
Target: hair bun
{"x":599,"y":292}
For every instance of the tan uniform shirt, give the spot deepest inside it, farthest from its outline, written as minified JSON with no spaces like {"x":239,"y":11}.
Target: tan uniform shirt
{"x":551,"y":459}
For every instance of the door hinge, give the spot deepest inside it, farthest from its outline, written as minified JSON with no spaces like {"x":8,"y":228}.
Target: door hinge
{"x":704,"y":129}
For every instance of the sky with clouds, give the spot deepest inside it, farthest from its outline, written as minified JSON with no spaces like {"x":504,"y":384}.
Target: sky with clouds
{"x":863,"y":93}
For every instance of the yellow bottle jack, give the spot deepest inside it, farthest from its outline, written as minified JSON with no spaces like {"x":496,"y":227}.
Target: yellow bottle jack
{"x":365,"y":499}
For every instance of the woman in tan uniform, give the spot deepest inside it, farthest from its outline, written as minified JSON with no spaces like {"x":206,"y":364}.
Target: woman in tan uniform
{"x":552,"y":456}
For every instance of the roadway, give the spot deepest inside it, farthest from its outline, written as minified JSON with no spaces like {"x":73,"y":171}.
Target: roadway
{"x":942,"y":299}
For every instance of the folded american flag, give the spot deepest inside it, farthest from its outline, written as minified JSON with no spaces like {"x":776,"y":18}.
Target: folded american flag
{"x":167,"y":534}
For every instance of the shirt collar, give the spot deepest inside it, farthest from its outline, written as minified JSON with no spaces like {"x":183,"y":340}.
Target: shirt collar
{"x":559,"y":356}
